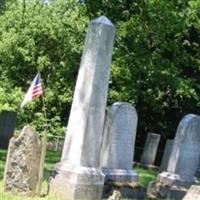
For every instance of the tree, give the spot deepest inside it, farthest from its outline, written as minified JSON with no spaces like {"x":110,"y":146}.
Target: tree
{"x":46,"y":37}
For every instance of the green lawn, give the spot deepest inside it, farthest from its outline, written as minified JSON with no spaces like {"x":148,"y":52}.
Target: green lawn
{"x":51,"y":159}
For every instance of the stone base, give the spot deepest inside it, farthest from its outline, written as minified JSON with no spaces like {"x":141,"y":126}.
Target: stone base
{"x":119,"y":175}
{"x":170,"y":186}
{"x":79,"y":183}
{"x":128,"y":190}
{"x":124,"y":181}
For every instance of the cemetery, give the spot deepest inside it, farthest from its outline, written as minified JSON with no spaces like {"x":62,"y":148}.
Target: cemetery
{"x":113,"y":108}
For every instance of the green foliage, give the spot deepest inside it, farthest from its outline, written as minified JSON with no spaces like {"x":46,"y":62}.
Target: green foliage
{"x":45,"y":37}
{"x":155,"y":66}
{"x":156,"y":59}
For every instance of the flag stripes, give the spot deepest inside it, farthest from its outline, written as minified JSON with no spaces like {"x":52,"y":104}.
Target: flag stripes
{"x":35,"y":90}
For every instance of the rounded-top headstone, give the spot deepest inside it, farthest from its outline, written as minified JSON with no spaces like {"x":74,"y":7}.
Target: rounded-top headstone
{"x":119,"y":136}
{"x":102,"y":20}
{"x":185,"y":153}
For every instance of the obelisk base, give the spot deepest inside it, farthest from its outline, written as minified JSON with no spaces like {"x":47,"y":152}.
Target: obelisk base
{"x":77,"y":183}
{"x":169,"y":185}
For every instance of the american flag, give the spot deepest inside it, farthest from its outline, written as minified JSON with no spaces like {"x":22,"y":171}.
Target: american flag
{"x":34,"y":91}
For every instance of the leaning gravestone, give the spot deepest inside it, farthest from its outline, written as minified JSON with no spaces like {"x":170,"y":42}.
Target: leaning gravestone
{"x":78,"y":176}
{"x":166,"y":155}
{"x":150,"y":149}
{"x":22,"y":164}
{"x":183,"y":161}
{"x":117,"y":150}
{"x":193,"y":193}
{"x":7,"y":126}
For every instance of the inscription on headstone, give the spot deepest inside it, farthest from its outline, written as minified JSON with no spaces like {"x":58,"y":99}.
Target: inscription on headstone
{"x":22,"y":165}
{"x":117,"y":150}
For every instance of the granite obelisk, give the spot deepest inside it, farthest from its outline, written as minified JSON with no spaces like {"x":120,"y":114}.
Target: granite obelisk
{"x":78,"y":175}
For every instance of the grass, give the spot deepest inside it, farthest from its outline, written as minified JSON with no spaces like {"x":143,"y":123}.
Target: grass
{"x":53,"y":157}
{"x":146,"y":176}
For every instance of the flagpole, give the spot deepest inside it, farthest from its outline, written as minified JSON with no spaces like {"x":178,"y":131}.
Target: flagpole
{"x":43,"y":151}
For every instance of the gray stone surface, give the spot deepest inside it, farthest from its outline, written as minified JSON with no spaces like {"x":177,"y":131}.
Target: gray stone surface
{"x":150,"y":149}
{"x":193,"y":193}
{"x":186,"y":152}
{"x":118,"y":142}
{"x":166,"y":155}
{"x":85,"y":126}
{"x":22,"y":165}
{"x":117,"y":150}
{"x":7,"y":126}
{"x":183,"y":160}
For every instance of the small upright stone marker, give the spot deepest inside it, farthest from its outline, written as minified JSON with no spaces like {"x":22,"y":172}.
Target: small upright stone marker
{"x":166,"y":155}
{"x":22,"y":165}
{"x":78,"y":175}
{"x":150,"y":149}
{"x":183,"y":162}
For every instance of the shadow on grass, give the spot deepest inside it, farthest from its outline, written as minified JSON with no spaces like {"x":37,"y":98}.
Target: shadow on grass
{"x":52,"y":158}
{"x":146,"y":175}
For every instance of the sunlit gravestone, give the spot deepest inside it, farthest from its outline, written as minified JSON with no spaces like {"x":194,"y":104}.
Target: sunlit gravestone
{"x":117,"y":150}
{"x":183,"y":161}
{"x":78,"y":175}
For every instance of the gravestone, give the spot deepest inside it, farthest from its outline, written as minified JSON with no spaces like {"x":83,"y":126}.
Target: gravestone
{"x":193,"y":193}
{"x":22,"y":164}
{"x":78,"y":175}
{"x":7,"y":126}
{"x":183,"y":161}
{"x":166,"y":155}
{"x":150,"y":149}
{"x":118,"y":143}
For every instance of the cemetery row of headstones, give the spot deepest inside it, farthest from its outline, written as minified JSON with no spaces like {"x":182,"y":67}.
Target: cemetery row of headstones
{"x":99,"y":146}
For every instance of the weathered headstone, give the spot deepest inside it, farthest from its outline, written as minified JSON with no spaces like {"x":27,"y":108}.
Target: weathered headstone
{"x":183,"y":162}
{"x":22,"y":164}
{"x":150,"y":149}
{"x":78,"y":175}
{"x":118,"y":143}
{"x":193,"y":193}
{"x":166,"y":155}
{"x":7,"y":126}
